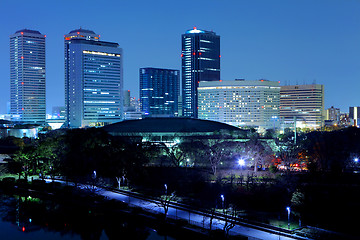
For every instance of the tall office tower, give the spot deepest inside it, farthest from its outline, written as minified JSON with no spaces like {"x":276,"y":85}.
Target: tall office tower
{"x":159,"y":91}
{"x":302,"y":105}
{"x":27,"y":77}
{"x":241,"y":103}
{"x":200,"y":62}
{"x":354,"y":115}
{"x":93,"y":80}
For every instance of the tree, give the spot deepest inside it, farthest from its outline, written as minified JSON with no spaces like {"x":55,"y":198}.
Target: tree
{"x":218,"y":151}
{"x":165,"y":201}
{"x":229,"y":215}
{"x":298,"y":203}
{"x":257,"y":151}
{"x":175,"y":153}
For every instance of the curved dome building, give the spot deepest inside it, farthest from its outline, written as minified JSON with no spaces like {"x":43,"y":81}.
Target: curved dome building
{"x":173,"y":129}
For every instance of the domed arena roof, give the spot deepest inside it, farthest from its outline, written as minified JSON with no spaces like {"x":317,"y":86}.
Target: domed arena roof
{"x":175,"y":125}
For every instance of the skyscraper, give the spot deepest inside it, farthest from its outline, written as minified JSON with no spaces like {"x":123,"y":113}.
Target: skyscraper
{"x":93,"y":80}
{"x":27,"y":77}
{"x":159,"y":91}
{"x":200,"y":62}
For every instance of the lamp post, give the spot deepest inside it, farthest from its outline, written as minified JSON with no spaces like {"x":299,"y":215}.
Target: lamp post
{"x":222,"y":200}
{"x":241,"y":163}
{"x":165,"y":189}
{"x":288,"y":210}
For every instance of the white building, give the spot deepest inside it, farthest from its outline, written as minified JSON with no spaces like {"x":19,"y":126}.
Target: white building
{"x":240,"y":103}
{"x":303,"y":104}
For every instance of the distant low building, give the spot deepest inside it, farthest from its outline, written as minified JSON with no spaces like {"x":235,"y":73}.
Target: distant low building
{"x":8,"y":129}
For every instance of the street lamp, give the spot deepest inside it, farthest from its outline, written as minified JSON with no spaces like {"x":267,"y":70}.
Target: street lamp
{"x":356,"y":160}
{"x":222,"y":200}
{"x":94,"y":174}
{"x":165,"y":189}
{"x":241,"y":162}
{"x":288,"y":210}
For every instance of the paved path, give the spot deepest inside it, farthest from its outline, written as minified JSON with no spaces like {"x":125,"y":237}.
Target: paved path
{"x":197,"y":218}
{"x":194,"y":217}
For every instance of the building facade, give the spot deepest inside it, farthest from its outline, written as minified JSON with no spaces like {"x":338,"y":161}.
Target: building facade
{"x":302,"y":106}
{"x":159,"y":91}
{"x":332,"y":116}
{"x":27,"y":77}
{"x":240,"y":103}
{"x":200,"y":61}
{"x":93,"y":80}
{"x":354,"y":116}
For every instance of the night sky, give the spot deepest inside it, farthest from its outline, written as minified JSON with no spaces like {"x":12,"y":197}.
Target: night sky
{"x":292,"y":41}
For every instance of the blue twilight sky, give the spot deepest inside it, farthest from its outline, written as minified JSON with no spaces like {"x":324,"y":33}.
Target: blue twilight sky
{"x":292,"y":41}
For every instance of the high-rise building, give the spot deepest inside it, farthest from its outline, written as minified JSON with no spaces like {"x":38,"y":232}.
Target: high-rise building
{"x":302,"y":105}
{"x":93,"y":80}
{"x":240,"y":103}
{"x":200,"y":61}
{"x":27,"y":77}
{"x":159,"y":91}
{"x":127,"y":98}
{"x":354,"y":115}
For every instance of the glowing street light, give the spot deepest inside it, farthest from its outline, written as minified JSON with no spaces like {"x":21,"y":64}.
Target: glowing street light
{"x":356,"y":160}
{"x":222,"y":200}
{"x":288,"y":210}
{"x":165,"y":189}
{"x":241,"y":162}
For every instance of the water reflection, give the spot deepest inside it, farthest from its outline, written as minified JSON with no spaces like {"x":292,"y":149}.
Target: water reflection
{"x":33,"y":218}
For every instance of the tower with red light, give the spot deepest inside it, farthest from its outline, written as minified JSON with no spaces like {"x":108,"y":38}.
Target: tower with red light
{"x":200,"y":61}
{"x":93,"y":80}
{"x":27,"y":77}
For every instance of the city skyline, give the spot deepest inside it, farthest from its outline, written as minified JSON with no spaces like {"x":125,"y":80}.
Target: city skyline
{"x":294,"y":43}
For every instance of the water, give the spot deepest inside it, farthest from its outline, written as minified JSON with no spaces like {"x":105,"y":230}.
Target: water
{"x":32,"y":218}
